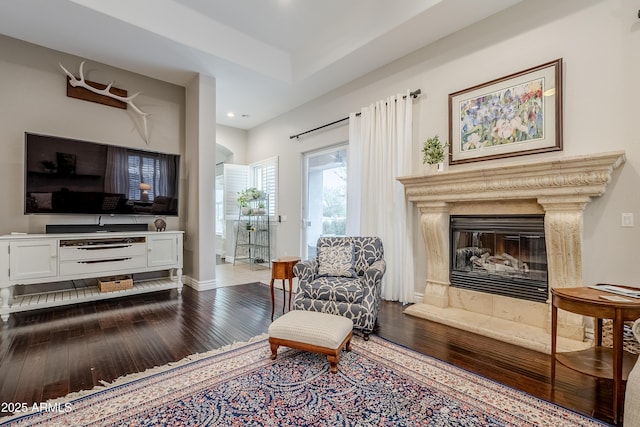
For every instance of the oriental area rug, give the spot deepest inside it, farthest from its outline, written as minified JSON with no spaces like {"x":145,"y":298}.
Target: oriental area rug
{"x":378,"y":384}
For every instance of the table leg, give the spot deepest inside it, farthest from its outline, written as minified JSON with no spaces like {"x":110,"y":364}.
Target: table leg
{"x":284,"y":296}
{"x":290,"y":291}
{"x":554,"y":331}
{"x":273,"y":304}
{"x":618,"y":397}
{"x":598,"y":332}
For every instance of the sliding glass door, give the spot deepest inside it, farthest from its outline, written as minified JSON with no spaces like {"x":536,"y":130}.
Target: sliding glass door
{"x":324,"y":209}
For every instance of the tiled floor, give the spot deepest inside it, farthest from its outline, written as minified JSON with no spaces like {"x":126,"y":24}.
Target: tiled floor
{"x":228,"y":274}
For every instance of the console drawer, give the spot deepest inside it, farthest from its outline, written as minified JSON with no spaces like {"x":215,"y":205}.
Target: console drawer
{"x":101,"y":266}
{"x":81,"y":253}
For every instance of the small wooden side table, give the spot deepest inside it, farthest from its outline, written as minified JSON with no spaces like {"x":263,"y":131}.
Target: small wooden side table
{"x":282,"y":269}
{"x":598,"y":361}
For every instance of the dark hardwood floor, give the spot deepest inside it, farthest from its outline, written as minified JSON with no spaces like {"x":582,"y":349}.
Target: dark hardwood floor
{"x":49,"y":353}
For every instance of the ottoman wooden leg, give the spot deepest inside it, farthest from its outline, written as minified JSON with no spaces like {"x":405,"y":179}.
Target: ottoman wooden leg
{"x":348,"y":346}
{"x":274,"y":351}
{"x":333,"y":363}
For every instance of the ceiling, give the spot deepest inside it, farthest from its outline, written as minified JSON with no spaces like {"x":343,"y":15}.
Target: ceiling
{"x":268,"y":56}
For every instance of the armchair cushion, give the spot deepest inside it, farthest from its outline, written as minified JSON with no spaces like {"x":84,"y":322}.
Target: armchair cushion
{"x":338,"y":289}
{"x":336,"y":261}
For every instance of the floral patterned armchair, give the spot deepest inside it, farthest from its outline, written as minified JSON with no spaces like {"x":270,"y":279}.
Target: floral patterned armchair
{"x":343,"y":279}
{"x":632,"y":397}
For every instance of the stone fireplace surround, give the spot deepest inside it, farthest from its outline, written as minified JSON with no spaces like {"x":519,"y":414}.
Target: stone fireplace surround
{"x":558,"y":188}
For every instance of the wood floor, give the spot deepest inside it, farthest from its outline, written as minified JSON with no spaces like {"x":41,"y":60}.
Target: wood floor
{"x":49,"y":353}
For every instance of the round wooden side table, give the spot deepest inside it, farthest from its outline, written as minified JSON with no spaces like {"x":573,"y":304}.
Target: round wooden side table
{"x":597,"y":361}
{"x":282,"y":269}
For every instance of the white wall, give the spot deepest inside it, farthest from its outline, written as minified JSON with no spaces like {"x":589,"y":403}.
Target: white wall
{"x":234,"y":140}
{"x":599,"y":42}
{"x":34,"y":99}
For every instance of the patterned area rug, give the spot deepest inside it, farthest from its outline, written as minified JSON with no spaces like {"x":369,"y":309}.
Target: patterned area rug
{"x":379,"y":384}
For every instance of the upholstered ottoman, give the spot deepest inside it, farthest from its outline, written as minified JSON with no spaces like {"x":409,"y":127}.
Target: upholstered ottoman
{"x":312,"y":331}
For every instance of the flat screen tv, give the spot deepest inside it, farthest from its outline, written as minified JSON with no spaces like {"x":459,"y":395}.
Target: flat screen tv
{"x":68,"y":176}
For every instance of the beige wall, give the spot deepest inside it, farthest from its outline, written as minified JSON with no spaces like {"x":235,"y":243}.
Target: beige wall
{"x":34,"y":100}
{"x":200,"y":160}
{"x":599,"y":42}
{"x":234,"y":140}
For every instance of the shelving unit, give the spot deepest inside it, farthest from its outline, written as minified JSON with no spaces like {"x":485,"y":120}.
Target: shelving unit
{"x":253,"y":234}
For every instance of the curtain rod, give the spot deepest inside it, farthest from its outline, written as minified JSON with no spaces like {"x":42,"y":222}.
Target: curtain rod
{"x":413,"y":94}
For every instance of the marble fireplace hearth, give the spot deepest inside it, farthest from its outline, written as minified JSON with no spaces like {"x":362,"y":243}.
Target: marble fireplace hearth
{"x":560,"y":189}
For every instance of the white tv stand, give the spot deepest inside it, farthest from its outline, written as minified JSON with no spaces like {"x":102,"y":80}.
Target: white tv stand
{"x":43,"y":258}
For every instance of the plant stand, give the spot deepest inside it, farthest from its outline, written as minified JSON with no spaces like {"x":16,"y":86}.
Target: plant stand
{"x":253,"y":234}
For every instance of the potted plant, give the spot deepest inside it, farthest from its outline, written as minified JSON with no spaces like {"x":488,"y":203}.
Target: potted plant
{"x":433,"y":152}
{"x":246,"y":196}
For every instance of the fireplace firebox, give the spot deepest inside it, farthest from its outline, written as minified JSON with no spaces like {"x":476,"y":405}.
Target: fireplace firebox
{"x":502,"y":255}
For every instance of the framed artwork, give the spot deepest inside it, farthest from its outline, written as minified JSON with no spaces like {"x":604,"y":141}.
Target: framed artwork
{"x":511,"y":116}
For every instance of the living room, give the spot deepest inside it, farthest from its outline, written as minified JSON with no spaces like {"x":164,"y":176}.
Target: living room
{"x":598,"y":42}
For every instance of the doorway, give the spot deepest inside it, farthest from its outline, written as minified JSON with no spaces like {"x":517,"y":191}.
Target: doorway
{"x":324,"y":206}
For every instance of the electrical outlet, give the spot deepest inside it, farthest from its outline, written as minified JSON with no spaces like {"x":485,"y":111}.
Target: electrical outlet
{"x":626,"y":219}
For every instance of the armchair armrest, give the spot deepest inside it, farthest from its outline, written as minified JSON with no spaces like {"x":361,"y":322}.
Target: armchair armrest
{"x":374,"y":273}
{"x":306,"y":271}
{"x":372,"y":280}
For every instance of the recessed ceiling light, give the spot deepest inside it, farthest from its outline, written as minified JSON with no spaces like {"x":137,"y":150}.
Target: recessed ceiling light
{"x":230,"y":114}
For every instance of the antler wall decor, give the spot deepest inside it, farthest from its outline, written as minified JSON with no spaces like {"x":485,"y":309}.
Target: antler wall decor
{"x":106,"y":91}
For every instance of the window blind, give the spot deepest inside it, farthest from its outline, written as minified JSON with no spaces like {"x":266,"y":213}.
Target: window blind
{"x":236,"y":179}
{"x":264,"y":176}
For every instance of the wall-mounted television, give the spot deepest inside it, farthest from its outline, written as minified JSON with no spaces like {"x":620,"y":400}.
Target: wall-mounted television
{"x":68,"y":176}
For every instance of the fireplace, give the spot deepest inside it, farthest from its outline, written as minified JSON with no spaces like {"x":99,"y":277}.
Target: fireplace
{"x":501,"y":255}
{"x":557,"y":192}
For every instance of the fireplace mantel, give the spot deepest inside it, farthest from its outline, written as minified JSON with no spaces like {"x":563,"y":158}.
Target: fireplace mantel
{"x":585,"y":176}
{"x":559,"y":188}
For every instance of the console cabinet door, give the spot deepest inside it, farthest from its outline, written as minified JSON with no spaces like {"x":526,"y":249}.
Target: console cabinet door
{"x":164,"y":250}
{"x":33,"y":259}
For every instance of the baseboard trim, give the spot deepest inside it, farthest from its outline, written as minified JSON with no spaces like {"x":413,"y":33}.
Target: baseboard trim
{"x":418,"y":297}
{"x":198,"y":285}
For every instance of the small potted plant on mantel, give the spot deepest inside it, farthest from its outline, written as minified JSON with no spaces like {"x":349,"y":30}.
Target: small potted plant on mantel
{"x":433,"y":152}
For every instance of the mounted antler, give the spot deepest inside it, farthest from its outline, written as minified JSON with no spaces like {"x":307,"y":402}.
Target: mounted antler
{"x":80,"y":82}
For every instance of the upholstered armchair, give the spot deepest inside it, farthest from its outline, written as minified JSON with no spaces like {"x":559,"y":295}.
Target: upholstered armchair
{"x":632,"y":395}
{"x":343,"y":279}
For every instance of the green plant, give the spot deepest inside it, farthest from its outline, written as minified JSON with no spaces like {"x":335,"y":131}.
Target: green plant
{"x":433,"y":150}
{"x":247,"y":195}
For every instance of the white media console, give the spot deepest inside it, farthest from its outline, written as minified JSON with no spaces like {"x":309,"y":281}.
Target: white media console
{"x":45,"y":258}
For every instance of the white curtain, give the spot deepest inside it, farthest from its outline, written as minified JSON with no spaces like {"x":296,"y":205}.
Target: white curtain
{"x":380,"y":145}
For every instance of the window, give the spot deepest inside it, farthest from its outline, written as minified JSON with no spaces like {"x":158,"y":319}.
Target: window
{"x":263,"y":175}
{"x":235,"y":180}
